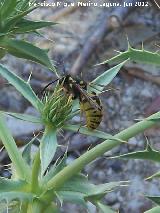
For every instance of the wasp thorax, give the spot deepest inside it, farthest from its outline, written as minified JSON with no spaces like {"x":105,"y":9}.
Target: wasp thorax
{"x":57,"y":108}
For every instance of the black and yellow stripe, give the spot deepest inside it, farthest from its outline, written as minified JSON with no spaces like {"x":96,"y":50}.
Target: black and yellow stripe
{"x":92,"y":113}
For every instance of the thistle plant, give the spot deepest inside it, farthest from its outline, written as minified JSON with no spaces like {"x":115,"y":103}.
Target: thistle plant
{"x":39,"y":186}
{"x":13,"y":22}
{"x":36,"y":184}
{"x":57,"y":108}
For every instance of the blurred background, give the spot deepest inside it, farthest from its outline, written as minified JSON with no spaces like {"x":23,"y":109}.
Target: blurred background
{"x":83,"y":37}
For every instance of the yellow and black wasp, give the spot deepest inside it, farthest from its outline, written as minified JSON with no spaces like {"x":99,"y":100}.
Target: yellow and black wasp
{"x":90,"y":103}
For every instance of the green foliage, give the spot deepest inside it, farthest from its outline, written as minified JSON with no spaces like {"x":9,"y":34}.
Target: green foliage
{"x":142,"y":56}
{"x":61,"y":181}
{"x":22,"y":169}
{"x":13,"y":22}
{"x":48,"y":148}
{"x":26,"y":50}
{"x":23,"y":87}
{"x":105,"y":78}
{"x":148,"y":154}
{"x":12,"y":185}
{"x":24,"y":117}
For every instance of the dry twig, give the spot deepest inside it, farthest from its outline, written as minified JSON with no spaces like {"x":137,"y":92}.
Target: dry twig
{"x":101,"y":30}
{"x":137,"y":72}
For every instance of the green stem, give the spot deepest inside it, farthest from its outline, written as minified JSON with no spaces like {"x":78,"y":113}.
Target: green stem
{"x":35,"y":174}
{"x":69,"y":171}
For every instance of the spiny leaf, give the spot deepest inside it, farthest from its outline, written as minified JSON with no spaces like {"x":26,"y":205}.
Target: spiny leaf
{"x":73,"y":197}
{"x":80,"y":183}
{"x":21,"y":196}
{"x":98,"y":84}
{"x":26,"y":50}
{"x":26,"y":154}
{"x":79,"y":190}
{"x":57,"y":167}
{"x":148,"y":154}
{"x":142,"y":56}
{"x":12,"y":185}
{"x":29,"y":26}
{"x":24,"y":117}
{"x":13,"y":20}
{"x":23,"y":87}
{"x":7,"y":8}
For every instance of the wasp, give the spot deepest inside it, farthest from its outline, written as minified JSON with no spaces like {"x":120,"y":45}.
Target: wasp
{"x":90,"y":103}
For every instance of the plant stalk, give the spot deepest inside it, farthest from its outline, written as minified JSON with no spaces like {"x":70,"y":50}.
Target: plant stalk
{"x":35,"y":173}
{"x":75,"y":167}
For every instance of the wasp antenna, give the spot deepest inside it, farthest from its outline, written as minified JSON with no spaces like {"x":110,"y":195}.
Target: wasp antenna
{"x":43,"y":90}
{"x":52,"y":82}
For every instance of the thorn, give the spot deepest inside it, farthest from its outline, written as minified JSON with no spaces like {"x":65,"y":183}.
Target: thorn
{"x":29,"y":78}
{"x":117,"y":51}
{"x":129,"y":46}
{"x":2,"y":149}
{"x":156,"y":4}
{"x":142,"y":46}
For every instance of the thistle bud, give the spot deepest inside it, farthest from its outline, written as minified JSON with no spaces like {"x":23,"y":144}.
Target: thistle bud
{"x":57,"y":108}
